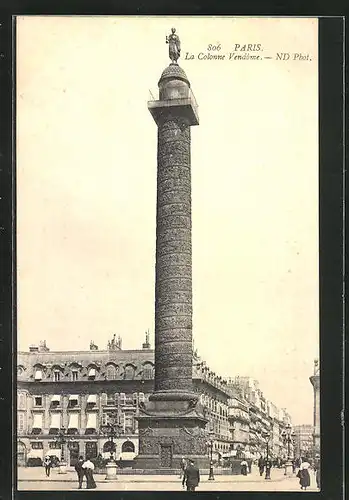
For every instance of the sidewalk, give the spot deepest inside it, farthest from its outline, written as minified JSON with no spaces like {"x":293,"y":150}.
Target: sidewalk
{"x":37,"y":474}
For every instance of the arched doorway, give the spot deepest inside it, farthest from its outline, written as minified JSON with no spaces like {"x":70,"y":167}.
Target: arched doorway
{"x":21,"y":454}
{"x":109,"y":447}
{"x":128,"y":447}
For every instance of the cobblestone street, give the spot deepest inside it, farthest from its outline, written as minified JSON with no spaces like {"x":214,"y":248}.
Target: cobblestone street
{"x":35,"y":479}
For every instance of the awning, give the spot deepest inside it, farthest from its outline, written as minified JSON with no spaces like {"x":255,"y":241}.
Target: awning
{"x":92,"y":372}
{"x":73,"y":421}
{"x":92,"y":398}
{"x":56,"y":452}
{"x":91,"y":421}
{"x":55,"y":421}
{"x":38,"y":375}
{"x":56,"y":398}
{"x":74,"y":397}
{"x":37,"y":423}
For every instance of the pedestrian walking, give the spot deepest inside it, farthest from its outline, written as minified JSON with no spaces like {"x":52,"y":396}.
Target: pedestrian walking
{"x":303,"y":474}
{"x":243,"y":466}
{"x":89,"y":468}
{"x":48,"y":465}
{"x":317,"y":472}
{"x":261,"y":464}
{"x":80,"y":471}
{"x":191,"y":476}
{"x":182,"y":467}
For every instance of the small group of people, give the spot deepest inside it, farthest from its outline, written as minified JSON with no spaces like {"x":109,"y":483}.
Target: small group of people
{"x":85,"y":468}
{"x":304,"y":476}
{"x":189,"y":474}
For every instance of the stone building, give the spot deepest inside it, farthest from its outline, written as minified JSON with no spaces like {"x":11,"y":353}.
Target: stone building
{"x":266,"y":421}
{"x":240,"y":421}
{"x":81,"y":390}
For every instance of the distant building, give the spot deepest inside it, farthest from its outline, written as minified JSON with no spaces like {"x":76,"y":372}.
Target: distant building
{"x":304,"y":440}
{"x":266,"y":420}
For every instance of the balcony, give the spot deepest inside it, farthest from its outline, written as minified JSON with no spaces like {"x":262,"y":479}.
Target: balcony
{"x":186,"y":106}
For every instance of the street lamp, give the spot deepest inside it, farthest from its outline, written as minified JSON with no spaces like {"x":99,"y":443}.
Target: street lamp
{"x":288,"y":436}
{"x":111,"y":429}
{"x":209,"y":444}
{"x":61,"y":440}
{"x":267,"y":436}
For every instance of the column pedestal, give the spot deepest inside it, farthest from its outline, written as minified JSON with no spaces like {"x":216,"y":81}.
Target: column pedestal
{"x":169,"y":432}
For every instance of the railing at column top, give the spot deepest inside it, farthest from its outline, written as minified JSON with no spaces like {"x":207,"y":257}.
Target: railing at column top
{"x":190,"y":97}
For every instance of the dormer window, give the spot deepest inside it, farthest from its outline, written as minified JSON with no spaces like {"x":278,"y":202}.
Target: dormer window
{"x":56,"y":375}
{"x":74,"y":375}
{"x":38,"y":375}
{"x":92,"y":373}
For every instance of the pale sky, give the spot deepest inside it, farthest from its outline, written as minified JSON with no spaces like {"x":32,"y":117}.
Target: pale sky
{"x":86,"y":191}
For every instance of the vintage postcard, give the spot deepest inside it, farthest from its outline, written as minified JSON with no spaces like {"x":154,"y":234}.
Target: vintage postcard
{"x":167,"y":253}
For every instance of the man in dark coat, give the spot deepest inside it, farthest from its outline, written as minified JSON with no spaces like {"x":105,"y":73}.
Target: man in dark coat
{"x":191,"y":476}
{"x":80,"y":471}
{"x":261,"y":465}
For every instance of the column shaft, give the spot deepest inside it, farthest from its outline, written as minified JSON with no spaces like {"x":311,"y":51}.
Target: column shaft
{"x":173,"y":287}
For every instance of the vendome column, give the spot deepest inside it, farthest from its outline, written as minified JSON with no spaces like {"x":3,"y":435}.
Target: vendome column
{"x":171,"y":425}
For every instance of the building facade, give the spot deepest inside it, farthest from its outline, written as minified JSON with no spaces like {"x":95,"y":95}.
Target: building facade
{"x":304,"y":441}
{"x":266,"y":422}
{"x":81,"y":391}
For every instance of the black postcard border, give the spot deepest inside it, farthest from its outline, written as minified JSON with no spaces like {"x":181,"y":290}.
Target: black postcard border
{"x":331,"y":243}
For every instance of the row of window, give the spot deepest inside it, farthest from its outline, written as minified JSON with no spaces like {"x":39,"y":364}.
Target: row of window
{"x":214,"y":405}
{"x":127,"y":446}
{"x":111,"y":373}
{"x":114,"y":399}
{"x":126,"y":422}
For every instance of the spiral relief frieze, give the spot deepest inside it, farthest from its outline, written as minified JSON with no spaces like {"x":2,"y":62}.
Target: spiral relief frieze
{"x":173,"y":304}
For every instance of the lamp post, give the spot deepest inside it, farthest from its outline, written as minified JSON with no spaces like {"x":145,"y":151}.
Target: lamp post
{"x":61,"y":439}
{"x":267,"y":436}
{"x":288,"y":436}
{"x":210,"y":447}
{"x":111,"y":430}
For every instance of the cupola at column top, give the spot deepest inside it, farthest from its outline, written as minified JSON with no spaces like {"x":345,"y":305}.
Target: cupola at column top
{"x":173,"y":83}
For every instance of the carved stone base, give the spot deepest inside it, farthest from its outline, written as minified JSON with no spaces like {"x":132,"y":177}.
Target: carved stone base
{"x":168,"y":431}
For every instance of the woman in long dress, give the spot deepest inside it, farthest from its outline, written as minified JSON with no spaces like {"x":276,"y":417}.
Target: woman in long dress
{"x":89,"y":468}
{"x":243,"y":466}
{"x":303,"y":474}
